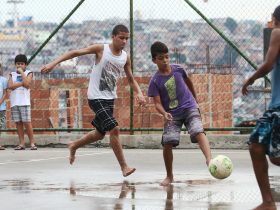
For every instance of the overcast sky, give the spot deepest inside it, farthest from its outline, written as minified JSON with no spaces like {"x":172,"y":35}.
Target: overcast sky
{"x":56,"y":10}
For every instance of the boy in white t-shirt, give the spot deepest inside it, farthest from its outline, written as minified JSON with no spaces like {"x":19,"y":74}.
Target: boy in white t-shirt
{"x":19,"y":84}
{"x":3,"y":93}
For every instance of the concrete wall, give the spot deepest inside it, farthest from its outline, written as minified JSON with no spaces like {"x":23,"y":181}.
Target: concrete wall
{"x":148,"y":141}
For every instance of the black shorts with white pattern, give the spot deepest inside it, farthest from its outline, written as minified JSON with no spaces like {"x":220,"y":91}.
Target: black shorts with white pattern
{"x":103,"y":109}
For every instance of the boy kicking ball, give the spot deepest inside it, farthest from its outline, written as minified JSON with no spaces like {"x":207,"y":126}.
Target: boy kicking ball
{"x":174,"y":97}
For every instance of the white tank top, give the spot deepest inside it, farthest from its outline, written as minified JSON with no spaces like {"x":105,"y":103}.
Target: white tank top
{"x":21,"y":95}
{"x":104,"y":75}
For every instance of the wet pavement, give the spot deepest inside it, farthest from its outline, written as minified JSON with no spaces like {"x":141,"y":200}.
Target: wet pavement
{"x":43,"y":180}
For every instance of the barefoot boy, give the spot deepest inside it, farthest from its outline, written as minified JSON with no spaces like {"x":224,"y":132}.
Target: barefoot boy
{"x":265,"y":138}
{"x":110,"y":61}
{"x":174,"y":97}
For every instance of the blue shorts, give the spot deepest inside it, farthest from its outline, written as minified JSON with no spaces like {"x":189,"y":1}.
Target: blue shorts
{"x":103,"y":109}
{"x":267,"y":132}
{"x":172,"y":129}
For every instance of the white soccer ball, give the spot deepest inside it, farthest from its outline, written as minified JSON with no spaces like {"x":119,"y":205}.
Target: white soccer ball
{"x":220,"y":167}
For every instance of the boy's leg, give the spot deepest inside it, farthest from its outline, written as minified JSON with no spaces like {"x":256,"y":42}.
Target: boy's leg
{"x":88,"y":138}
{"x":104,"y":121}
{"x":20,"y":132}
{"x":117,"y":148}
{"x":260,"y":165}
{"x":204,"y":146}
{"x":29,"y":132}
{"x":168,"y":161}
{"x":16,"y":117}
{"x":193,"y":123}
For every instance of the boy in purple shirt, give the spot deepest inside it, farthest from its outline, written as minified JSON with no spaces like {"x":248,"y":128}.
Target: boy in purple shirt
{"x":174,"y":97}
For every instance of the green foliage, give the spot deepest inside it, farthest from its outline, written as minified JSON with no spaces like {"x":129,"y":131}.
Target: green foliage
{"x":231,"y":24}
{"x":256,"y":30}
{"x":229,"y":57}
{"x":178,"y":58}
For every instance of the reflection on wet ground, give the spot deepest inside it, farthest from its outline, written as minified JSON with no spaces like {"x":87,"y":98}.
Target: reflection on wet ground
{"x":45,"y":181}
{"x":210,"y":193}
{"x":275,"y":185}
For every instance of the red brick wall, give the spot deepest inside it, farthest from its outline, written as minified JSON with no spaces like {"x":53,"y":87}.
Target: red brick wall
{"x":214,"y":94}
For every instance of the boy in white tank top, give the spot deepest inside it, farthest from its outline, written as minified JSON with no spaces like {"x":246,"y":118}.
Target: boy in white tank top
{"x":111,"y":60}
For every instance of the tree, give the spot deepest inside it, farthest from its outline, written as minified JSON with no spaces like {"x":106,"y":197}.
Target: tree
{"x":256,"y":30}
{"x":229,"y":57}
{"x":178,"y":58}
{"x":231,"y":24}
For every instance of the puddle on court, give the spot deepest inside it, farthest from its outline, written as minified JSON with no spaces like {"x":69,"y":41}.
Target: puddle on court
{"x":215,"y":193}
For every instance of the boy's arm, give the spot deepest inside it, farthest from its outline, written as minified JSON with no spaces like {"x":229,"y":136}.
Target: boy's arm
{"x":133,"y":83}
{"x":160,"y":109}
{"x":92,"y":49}
{"x":4,"y":96}
{"x":26,"y":80}
{"x":12,"y":85}
{"x":270,"y":58}
{"x":190,"y":86}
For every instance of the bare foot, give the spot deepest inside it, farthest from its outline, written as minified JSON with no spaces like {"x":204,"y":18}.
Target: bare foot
{"x":167,"y":181}
{"x":72,"y":151}
{"x":127,"y":171}
{"x":266,"y":206}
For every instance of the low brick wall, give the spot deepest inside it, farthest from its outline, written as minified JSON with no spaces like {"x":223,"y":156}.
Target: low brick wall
{"x":63,"y":103}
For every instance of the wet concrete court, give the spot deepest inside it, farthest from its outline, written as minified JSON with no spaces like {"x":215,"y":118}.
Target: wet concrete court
{"x":43,"y":179}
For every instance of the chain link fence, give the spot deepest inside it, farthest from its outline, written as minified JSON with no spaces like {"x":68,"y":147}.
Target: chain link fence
{"x":217,"y":69}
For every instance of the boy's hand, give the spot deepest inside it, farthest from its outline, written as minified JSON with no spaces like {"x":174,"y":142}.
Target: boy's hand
{"x":140,"y":99}
{"x":245,"y":91}
{"x":47,"y":68}
{"x":20,"y":70}
{"x":167,"y":116}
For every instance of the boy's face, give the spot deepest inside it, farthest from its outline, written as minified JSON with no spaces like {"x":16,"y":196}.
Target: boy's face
{"x":21,"y":65}
{"x":275,"y":22}
{"x":120,"y":40}
{"x":162,"y":60}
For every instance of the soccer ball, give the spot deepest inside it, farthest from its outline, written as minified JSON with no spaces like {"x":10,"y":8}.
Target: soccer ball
{"x":220,"y":167}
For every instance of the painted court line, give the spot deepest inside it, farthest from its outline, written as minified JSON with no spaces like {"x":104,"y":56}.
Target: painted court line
{"x":54,"y":158}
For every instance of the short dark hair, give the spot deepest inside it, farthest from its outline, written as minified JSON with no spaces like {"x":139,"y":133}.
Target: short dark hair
{"x":21,"y":58}
{"x":119,"y":28}
{"x":158,"y":48}
{"x":276,"y":13}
